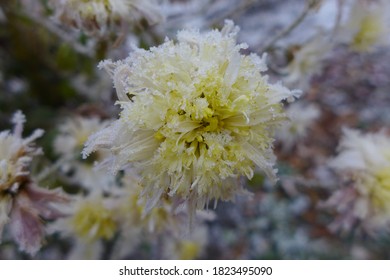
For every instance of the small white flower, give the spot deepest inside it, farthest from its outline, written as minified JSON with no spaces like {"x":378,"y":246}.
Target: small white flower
{"x":364,"y":162}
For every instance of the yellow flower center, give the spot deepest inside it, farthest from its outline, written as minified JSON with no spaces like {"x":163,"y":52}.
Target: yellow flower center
{"x":200,"y":130}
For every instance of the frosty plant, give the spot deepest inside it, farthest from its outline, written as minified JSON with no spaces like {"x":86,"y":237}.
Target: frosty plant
{"x":196,"y":116}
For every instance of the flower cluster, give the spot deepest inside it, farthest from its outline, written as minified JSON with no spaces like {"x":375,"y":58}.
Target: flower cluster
{"x":118,"y":214}
{"x":23,"y":204}
{"x":196,"y":116}
{"x":364,"y":201}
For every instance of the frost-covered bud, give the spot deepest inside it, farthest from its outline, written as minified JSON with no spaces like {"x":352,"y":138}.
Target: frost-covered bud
{"x":364,"y":162}
{"x":98,"y":16}
{"x":196,"y":116}
{"x":16,"y":154}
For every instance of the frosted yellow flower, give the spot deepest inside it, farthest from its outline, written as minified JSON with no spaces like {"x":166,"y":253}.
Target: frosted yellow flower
{"x":89,"y":218}
{"x":88,"y":221}
{"x":364,"y":161}
{"x":99,"y":15}
{"x":196,"y":116}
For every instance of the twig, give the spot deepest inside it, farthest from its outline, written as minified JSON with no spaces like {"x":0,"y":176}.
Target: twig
{"x":291,"y":27}
{"x":233,"y":12}
{"x":338,"y":17}
{"x":213,"y":13}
